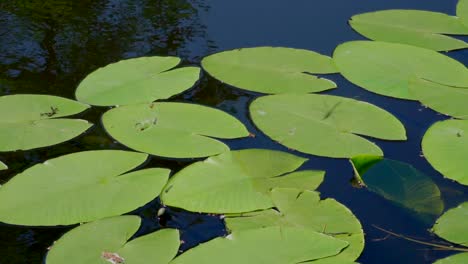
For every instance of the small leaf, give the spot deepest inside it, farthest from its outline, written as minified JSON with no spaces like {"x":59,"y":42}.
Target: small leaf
{"x":271,"y":70}
{"x":3,"y":166}
{"x":461,"y":258}
{"x":452,"y":225}
{"x":462,"y":11}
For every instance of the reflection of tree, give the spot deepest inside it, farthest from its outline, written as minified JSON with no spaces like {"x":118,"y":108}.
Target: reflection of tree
{"x":48,"y":46}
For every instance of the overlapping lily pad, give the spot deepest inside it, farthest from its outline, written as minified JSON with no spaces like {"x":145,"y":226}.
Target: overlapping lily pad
{"x":452,"y":225}
{"x":80,"y":187}
{"x":462,"y":11}
{"x":441,"y":98}
{"x":106,"y":241}
{"x":140,"y":80}
{"x":175,"y":130}
{"x":386,"y":68}
{"x":445,"y":146}
{"x":3,"y":166}
{"x":325,"y":125}
{"x":271,"y":70}
{"x":237,"y":181}
{"x":400,"y":183}
{"x":304,"y":209}
{"x":33,"y":121}
{"x":272,"y":245}
{"x":413,"y":27}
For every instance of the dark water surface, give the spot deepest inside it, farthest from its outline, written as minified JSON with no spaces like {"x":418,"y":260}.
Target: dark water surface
{"x":47,"y":47}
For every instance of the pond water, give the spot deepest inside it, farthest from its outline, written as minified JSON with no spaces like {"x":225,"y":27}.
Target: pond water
{"x":48,"y":47}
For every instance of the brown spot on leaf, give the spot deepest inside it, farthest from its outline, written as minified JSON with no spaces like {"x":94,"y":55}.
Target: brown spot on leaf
{"x":113,"y":258}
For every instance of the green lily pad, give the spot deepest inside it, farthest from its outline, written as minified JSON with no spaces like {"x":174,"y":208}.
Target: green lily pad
{"x":133,"y":81}
{"x":3,"y":166}
{"x":441,"y":98}
{"x":414,"y":27}
{"x":324,"y":125}
{"x":237,"y":181}
{"x":460,"y":258}
{"x":386,"y":68}
{"x":80,"y":187}
{"x":445,"y":146}
{"x":462,"y":11}
{"x":304,"y":209}
{"x":452,"y":225}
{"x":175,"y":130}
{"x":271,"y":70}
{"x":400,"y":183}
{"x":105,"y":240}
{"x":272,"y":245}
{"x":32,"y":121}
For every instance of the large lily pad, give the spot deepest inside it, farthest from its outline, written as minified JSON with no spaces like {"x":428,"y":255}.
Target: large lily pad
{"x":271,"y":70}
{"x":462,"y":11}
{"x":445,"y":146}
{"x":305,"y":209}
{"x":324,"y":125}
{"x":461,"y":258}
{"x":80,"y":187}
{"x":400,"y":183}
{"x":133,"y":81}
{"x":442,"y":98}
{"x":32,"y":121}
{"x":272,"y":245}
{"x":386,"y":68}
{"x":175,"y":130}
{"x":3,"y":166}
{"x":106,"y":241}
{"x":452,"y":225}
{"x":237,"y":181}
{"x":413,"y":27}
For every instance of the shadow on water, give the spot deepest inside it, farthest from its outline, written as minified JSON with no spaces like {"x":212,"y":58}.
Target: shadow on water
{"x":48,"y":47}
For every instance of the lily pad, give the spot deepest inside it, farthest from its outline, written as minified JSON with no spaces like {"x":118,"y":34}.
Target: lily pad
{"x":33,"y":121}
{"x":237,"y":181}
{"x":414,"y":27}
{"x":462,"y":11}
{"x":106,"y":241}
{"x":445,"y":99}
{"x":386,"y":68}
{"x":452,"y":225}
{"x":271,"y":70}
{"x":175,"y":130}
{"x":304,"y":209}
{"x":133,"y":81}
{"x":460,"y":258}
{"x":445,"y":146}
{"x":3,"y":166}
{"x":400,"y":183}
{"x":80,"y":187}
{"x":272,"y":245}
{"x":325,"y":125}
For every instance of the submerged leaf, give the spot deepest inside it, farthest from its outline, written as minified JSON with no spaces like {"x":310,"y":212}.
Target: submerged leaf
{"x":304,"y":209}
{"x":452,"y":225}
{"x":386,"y":68}
{"x":445,"y":99}
{"x":106,"y":241}
{"x":33,"y":121}
{"x":80,"y":187}
{"x":272,"y":245}
{"x":400,"y":183}
{"x":271,"y":70}
{"x":325,"y":125}
{"x":413,"y":27}
{"x":237,"y":181}
{"x":133,"y":81}
{"x":445,"y":146}
{"x":175,"y":130}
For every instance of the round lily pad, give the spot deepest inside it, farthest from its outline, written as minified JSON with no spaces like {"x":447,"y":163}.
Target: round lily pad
{"x":106,"y":241}
{"x":140,"y":80}
{"x":272,"y":245}
{"x":175,"y":130}
{"x":414,"y":27}
{"x":324,"y":125}
{"x":445,"y":146}
{"x":304,"y":209}
{"x":386,"y":68}
{"x":80,"y":187}
{"x":237,"y":181}
{"x":452,"y":225}
{"x":271,"y":70}
{"x":33,"y":121}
